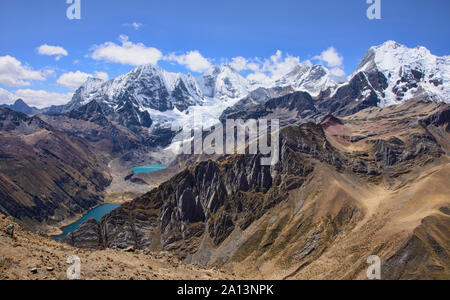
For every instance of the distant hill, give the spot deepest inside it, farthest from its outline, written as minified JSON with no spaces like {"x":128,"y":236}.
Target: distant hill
{"x":21,"y":106}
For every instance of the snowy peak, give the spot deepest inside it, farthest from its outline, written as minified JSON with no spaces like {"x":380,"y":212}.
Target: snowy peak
{"x":149,"y":87}
{"x":89,"y":86}
{"x":146,"y":87}
{"x":389,"y":74}
{"x":92,"y":83}
{"x":307,"y":78}
{"x":410,"y":72}
{"x":390,"y":56}
{"x":223,"y":83}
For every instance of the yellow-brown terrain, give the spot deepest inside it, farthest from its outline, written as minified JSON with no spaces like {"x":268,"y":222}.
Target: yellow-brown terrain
{"x":374,"y":183}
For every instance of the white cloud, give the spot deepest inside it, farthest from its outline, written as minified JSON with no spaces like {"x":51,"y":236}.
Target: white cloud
{"x":239,"y":63}
{"x":192,"y":60}
{"x":37,"y":98}
{"x":242,"y":64}
{"x":101,"y":75}
{"x":265,"y":70}
{"x":338,"y":72}
{"x":76,"y":79}
{"x":253,"y":66}
{"x":73,"y":79}
{"x":259,"y":77}
{"x":41,"y":99}
{"x":6,"y":97}
{"x":52,"y":51}
{"x":135,"y":25}
{"x":14,"y":74}
{"x":128,"y":53}
{"x":278,"y":66}
{"x":331,"y":57}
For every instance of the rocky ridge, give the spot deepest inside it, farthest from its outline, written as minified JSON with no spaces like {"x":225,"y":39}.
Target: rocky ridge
{"x":27,"y":256}
{"x":46,"y":175}
{"x":234,"y":211}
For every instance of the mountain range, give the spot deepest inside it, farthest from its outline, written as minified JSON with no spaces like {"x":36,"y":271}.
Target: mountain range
{"x":149,"y":97}
{"x":391,"y":73}
{"x":363,"y":168}
{"x":373,"y":183}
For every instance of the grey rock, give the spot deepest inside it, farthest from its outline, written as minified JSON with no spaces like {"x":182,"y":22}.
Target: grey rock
{"x":10,"y":230}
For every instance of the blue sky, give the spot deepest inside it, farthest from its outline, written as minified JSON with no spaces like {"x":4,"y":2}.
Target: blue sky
{"x":168,"y":31}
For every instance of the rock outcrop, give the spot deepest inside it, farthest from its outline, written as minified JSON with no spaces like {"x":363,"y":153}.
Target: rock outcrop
{"x":309,"y":206}
{"x":46,"y":175}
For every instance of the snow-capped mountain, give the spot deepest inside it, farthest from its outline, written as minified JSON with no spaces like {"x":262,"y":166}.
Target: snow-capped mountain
{"x":146,"y":86}
{"x":307,"y":78}
{"x":83,"y":94}
{"x":148,"y":95}
{"x":151,"y":87}
{"x":409,"y":73}
{"x":223,"y":83}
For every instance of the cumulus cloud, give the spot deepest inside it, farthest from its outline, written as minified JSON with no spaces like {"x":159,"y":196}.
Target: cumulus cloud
{"x":334,"y":61}
{"x":261,"y":69}
{"x":127,"y":53}
{"x":337,"y":72}
{"x":101,"y":75}
{"x":41,"y":99}
{"x":76,"y":79}
{"x":239,"y":63}
{"x":331,"y":57}
{"x":278,"y":66}
{"x":259,"y":78}
{"x":6,"y":97}
{"x":14,"y":74}
{"x":37,"y":98}
{"x":265,"y":70}
{"x":135,"y":25}
{"x":192,"y":60}
{"x":52,"y":51}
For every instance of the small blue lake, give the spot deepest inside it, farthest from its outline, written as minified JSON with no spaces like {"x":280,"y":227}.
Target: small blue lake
{"x":148,"y":169}
{"x":96,"y":213}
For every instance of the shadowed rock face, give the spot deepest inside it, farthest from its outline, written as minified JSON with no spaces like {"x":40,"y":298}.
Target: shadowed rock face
{"x":213,"y":198}
{"x":360,"y":93}
{"x":102,"y":129}
{"x":91,"y":112}
{"x":426,"y":250}
{"x":211,"y":213}
{"x":89,"y":233}
{"x":46,"y":175}
{"x":298,"y":107}
{"x":22,"y":107}
{"x":363,"y":91}
{"x":440,"y":118}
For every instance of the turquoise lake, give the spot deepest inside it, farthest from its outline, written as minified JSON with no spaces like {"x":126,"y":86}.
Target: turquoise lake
{"x":148,"y":169}
{"x":96,"y":213}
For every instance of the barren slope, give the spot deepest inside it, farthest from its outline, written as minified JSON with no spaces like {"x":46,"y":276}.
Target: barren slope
{"x":28,"y":251}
